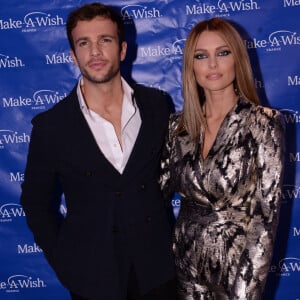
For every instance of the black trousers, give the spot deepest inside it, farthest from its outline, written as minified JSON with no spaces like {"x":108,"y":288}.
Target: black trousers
{"x":166,"y":291}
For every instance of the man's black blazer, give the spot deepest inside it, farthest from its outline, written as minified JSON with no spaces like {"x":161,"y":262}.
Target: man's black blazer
{"x":107,"y":212}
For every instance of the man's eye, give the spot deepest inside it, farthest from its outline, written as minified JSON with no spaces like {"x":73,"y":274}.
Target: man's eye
{"x":83,"y":43}
{"x":105,"y":40}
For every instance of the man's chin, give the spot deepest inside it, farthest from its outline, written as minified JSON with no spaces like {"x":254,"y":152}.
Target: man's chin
{"x":100,"y":79}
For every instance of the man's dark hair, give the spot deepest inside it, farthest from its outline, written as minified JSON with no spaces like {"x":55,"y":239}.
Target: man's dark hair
{"x":88,"y":12}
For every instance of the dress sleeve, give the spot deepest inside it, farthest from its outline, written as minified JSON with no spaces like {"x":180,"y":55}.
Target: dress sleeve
{"x":264,"y":209}
{"x":166,"y":179}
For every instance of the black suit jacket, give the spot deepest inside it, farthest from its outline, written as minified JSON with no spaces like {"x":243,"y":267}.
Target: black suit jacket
{"x":112,"y":219}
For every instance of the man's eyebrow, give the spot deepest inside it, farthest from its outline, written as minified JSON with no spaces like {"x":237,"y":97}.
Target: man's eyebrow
{"x":85,"y":38}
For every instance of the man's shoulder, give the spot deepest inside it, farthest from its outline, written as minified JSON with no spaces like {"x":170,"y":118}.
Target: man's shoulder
{"x":58,"y":111}
{"x":154,"y":97}
{"x":147,"y":91}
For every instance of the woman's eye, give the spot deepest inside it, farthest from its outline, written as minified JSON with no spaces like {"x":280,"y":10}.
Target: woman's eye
{"x":200,"y":56}
{"x":224,"y":53}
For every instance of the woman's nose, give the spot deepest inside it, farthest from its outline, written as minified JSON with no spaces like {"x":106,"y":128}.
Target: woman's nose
{"x":212,"y":62}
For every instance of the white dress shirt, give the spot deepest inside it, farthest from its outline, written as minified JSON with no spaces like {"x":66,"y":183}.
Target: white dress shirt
{"x":104,"y":132}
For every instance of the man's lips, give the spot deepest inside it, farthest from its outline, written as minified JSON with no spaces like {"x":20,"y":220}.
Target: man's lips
{"x":96,"y":64}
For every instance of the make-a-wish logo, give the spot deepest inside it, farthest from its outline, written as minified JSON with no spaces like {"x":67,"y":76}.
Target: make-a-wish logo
{"x":7,"y":62}
{"x":28,"y":249}
{"x":10,"y":137}
{"x":155,"y":85}
{"x":258,"y":84}
{"x":18,"y":282}
{"x":172,"y":52}
{"x":287,"y":266}
{"x":63,"y":209}
{"x":176,"y":202}
{"x":135,"y":12}
{"x":294,"y":157}
{"x":16,"y":177}
{"x":221,"y":7}
{"x":290,"y":116}
{"x":40,"y":99}
{"x":43,"y":98}
{"x":296,"y":232}
{"x":32,"y":21}
{"x":294,"y":80}
{"x":276,"y":41}
{"x":11,"y":211}
{"x":289,"y":3}
{"x":55,"y":59}
{"x":290,"y":192}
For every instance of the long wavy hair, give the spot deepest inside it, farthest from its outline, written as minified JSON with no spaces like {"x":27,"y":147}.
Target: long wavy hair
{"x":192,"y":119}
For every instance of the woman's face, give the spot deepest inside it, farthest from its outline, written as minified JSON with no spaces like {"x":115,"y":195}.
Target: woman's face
{"x":214,"y":66}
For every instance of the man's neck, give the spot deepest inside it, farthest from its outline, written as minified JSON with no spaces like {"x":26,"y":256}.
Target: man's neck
{"x":101,"y":95}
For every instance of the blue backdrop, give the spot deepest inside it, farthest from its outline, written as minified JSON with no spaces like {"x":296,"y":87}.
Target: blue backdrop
{"x":37,"y":71}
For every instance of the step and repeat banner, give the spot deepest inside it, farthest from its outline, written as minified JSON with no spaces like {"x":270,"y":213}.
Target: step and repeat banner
{"x":37,"y":71}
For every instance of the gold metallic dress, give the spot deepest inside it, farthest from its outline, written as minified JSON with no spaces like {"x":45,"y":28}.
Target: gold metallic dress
{"x":226,"y":226}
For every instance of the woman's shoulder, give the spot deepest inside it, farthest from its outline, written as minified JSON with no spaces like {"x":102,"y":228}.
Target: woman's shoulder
{"x":266,"y":115}
{"x":259,"y":113}
{"x":175,"y":117}
{"x":264,"y":119}
{"x":174,"y":120}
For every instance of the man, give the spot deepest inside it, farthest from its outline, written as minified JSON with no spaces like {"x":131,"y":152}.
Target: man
{"x":100,"y":148}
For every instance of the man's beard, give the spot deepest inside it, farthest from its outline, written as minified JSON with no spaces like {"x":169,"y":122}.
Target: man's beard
{"x":111,"y":73}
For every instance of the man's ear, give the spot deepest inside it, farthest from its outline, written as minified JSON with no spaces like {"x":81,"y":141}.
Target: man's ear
{"x":123,"y":51}
{"x":73,"y":55}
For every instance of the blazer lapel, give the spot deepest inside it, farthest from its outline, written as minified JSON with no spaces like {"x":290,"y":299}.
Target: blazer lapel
{"x":91,"y":157}
{"x":145,"y":145}
{"x":85,"y":146}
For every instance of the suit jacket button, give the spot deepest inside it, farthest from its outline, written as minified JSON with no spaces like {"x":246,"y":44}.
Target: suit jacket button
{"x":115,"y":229}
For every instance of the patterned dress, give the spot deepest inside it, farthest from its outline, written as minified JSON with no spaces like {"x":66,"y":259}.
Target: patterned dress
{"x":226,"y":226}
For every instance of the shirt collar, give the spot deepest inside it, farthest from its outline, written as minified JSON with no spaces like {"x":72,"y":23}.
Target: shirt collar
{"x":128,"y":98}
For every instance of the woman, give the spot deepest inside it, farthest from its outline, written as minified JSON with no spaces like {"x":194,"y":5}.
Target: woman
{"x":224,"y":156}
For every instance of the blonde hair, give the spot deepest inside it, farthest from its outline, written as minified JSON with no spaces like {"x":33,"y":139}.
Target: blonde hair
{"x":192,"y":119}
